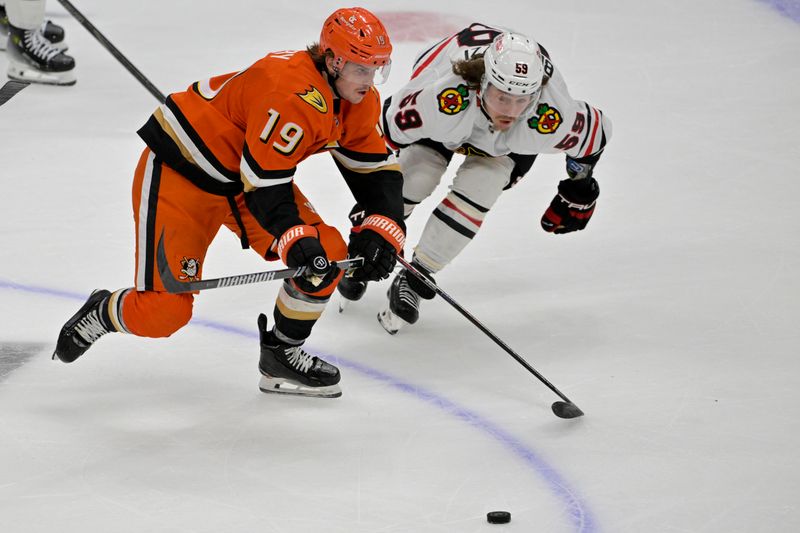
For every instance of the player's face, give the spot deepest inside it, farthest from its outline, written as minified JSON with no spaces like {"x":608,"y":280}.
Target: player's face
{"x":355,"y":80}
{"x":353,"y":89}
{"x":503,"y":108}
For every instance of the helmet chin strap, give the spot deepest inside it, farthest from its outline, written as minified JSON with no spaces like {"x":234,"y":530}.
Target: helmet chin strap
{"x":482,"y":106}
{"x":332,"y":82}
{"x":331,"y":75}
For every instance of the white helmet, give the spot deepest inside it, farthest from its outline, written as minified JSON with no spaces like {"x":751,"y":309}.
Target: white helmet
{"x":513,"y":64}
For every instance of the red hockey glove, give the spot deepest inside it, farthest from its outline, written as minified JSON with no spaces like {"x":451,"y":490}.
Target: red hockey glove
{"x":572,"y":207}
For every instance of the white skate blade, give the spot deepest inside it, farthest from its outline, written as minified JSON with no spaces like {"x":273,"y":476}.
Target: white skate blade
{"x":390,"y":321}
{"x":343,"y":303}
{"x":21,"y":72}
{"x":285,"y":386}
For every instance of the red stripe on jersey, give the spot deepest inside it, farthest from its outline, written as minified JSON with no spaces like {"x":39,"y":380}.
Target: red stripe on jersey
{"x":431,"y":57}
{"x":390,"y":144}
{"x":589,"y":149}
{"x":451,"y":205}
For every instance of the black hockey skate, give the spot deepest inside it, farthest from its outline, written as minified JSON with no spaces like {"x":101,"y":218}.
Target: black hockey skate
{"x":55,"y":34}
{"x":350,"y":290}
{"x":33,"y":58}
{"x":403,"y":304}
{"x":84,"y":328}
{"x":288,"y":369}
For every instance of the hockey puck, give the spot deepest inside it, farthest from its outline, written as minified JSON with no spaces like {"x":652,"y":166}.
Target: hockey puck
{"x":498,"y":517}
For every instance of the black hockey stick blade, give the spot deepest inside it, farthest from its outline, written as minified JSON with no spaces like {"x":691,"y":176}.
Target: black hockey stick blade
{"x":566,"y":410}
{"x":176,"y":286}
{"x":10,"y":89}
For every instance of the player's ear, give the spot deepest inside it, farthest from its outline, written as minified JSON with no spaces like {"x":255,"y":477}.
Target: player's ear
{"x":329,"y":64}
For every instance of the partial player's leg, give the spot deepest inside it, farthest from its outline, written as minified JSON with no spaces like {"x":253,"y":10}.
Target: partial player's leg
{"x":50,"y":30}
{"x":404,"y":296}
{"x":423,"y":165}
{"x":288,"y":369}
{"x":162,"y":199}
{"x":285,"y":367}
{"x":97,"y":317}
{"x":35,"y":47}
{"x":456,"y":220}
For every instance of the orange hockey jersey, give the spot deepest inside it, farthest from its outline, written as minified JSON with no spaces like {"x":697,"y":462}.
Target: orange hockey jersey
{"x":247,"y":131}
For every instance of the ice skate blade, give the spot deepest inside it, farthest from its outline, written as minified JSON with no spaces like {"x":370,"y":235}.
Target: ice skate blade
{"x":284,"y":386}
{"x":390,"y":321}
{"x":23,"y":73}
{"x":345,"y":302}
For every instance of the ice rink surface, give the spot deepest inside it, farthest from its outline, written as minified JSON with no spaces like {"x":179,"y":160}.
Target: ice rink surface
{"x":672,"y":321}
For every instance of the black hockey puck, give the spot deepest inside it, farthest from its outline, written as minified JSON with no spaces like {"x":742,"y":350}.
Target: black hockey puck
{"x":498,"y":517}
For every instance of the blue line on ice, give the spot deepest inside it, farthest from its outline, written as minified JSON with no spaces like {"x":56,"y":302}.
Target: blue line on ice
{"x":787,"y":8}
{"x":580,"y":517}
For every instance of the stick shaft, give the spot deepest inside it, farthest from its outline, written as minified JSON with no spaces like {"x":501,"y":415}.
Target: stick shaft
{"x":477,"y":323}
{"x":113,"y":49}
{"x":176,"y":286}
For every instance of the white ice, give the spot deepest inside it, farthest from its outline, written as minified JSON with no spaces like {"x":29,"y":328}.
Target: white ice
{"x":672,"y":321}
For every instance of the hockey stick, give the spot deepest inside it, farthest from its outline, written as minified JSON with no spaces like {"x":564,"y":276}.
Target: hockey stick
{"x":565,"y":409}
{"x":174,"y":286}
{"x":11,"y":88}
{"x":113,"y":49}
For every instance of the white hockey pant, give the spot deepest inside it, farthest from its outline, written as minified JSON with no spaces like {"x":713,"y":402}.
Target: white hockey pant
{"x":478,"y":183}
{"x":25,"y":14}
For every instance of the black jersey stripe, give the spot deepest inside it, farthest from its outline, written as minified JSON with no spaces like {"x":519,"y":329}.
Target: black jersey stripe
{"x":187,"y":127}
{"x":426,"y":52}
{"x":363,"y":157}
{"x":150,"y":239}
{"x":260,"y":172}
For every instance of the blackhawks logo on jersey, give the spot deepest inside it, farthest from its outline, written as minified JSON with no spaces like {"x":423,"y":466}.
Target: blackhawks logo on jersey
{"x":547,"y":119}
{"x":453,"y":99}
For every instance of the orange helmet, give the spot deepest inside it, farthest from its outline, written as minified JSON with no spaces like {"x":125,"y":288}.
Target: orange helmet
{"x":355,"y":34}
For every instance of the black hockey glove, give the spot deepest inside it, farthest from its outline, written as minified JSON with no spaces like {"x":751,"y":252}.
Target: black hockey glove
{"x":572,"y":207}
{"x":378,"y":240}
{"x":300,"y":246}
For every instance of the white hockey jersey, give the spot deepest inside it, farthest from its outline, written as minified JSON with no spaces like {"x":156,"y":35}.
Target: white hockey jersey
{"x":437,"y":104}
